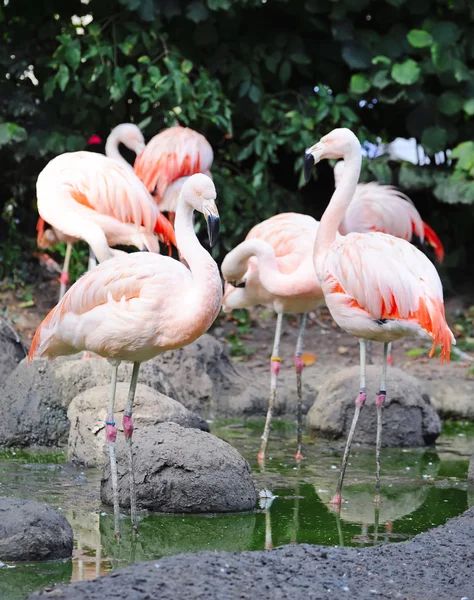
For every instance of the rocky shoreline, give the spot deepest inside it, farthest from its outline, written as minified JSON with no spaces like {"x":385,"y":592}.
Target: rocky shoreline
{"x":437,"y":565}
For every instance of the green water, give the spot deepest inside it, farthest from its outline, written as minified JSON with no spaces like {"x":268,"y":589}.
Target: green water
{"x":421,"y":488}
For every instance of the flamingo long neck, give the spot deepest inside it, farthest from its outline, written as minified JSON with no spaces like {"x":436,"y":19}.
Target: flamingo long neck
{"x":204,"y":270}
{"x":340,"y":200}
{"x":276,"y":282}
{"x":112,"y":150}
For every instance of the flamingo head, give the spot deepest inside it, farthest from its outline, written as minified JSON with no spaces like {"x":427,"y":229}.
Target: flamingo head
{"x":199,"y":192}
{"x":336,"y":144}
{"x":130,"y":136}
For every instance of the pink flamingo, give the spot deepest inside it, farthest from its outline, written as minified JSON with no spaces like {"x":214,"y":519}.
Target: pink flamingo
{"x":166,"y":162}
{"x":88,"y":196}
{"x":377,"y":287}
{"x":168,"y":159}
{"x":384,"y":208}
{"x":274,"y":266}
{"x":138,"y":305}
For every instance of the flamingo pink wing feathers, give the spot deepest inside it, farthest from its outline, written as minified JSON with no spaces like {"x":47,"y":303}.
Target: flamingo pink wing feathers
{"x":291,"y":236}
{"x":104,"y":309}
{"x":388,"y":278}
{"x":173,"y":153}
{"x":384,"y":208}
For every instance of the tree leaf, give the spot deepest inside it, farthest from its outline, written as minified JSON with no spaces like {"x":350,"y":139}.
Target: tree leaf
{"x":197,"y":12}
{"x":434,"y":139}
{"x":469,"y":107}
{"x":62,"y":77}
{"x":300,"y":58}
{"x":357,"y":55}
{"x":186,"y":66}
{"x":419,"y":38}
{"x":450,"y":103}
{"x":406,"y":73}
{"x":255,"y":93}
{"x":445,"y":33}
{"x":381,"y":79}
{"x":381,"y":60}
{"x":284,"y":71}
{"x":11,"y":132}
{"x":359,"y":84}
{"x":73,"y":55}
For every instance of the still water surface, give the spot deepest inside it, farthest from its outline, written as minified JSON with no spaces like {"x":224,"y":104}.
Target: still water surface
{"x":421,"y":488}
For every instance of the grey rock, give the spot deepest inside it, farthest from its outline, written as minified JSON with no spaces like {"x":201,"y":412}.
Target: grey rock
{"x":34,"y":399}
{"x":436,"y":564}
{"x":180,"y":470}
{"x":206,"y":380}
{"x":452,"y":398}
{"x":409,"y":418}
{"x":12,"y":350}
{"x":88,"y":411}
{"x":33,"y":531}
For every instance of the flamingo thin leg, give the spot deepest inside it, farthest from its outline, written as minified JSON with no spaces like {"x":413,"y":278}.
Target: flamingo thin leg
{"x":275,"y":363}
{"x":379,"y":405}
{"x":390,"y":356}
{"x":111,"y":433}
{"x":299,"y":368}
{"x":359,"y":403}
{"x":128,"y":431}
{"x":64,"y":278}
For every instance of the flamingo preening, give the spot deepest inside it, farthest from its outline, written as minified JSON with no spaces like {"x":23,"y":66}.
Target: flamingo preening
{"x":136,"y":306}
{"x":88,"y":196}
{"x":165,"y":163}
{"x":274,"y":266}
{"x":377,"y":287}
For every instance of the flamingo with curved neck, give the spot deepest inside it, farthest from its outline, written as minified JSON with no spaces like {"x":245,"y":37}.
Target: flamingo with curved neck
{"x":273,"y":266}
{"x":377,"y":287}
{"x":137,"y":306}
{"x":130,"y":136}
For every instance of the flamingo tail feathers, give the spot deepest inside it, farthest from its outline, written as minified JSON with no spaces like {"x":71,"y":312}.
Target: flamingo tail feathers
{"x":165,"y":232}
{"x":434,"y":241}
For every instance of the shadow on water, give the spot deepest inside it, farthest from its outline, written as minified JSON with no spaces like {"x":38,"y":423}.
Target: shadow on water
{"x":421,"y":489}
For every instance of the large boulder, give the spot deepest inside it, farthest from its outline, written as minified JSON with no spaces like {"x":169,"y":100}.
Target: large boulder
{"x":409,"y":418}
{"x":12,"y":350}
{"x":206,"y":380}
{"x":33,"y":531}
{"x":452,"y":398}
{"x":180,"y":470}
{"x":88,"y":411}
{"x":34,"y":399}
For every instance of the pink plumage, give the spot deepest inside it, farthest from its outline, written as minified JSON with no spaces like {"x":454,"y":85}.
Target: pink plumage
{"x":384,"y":208}
{"x":172,"y":154}
{"x":89,"y":196}
{"x":273,"y":266}
{"x":377,"y":287}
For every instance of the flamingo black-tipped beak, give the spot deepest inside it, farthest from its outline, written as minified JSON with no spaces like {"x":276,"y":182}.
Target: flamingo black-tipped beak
{"x":213,"y":226}
{"x":308,"y":165}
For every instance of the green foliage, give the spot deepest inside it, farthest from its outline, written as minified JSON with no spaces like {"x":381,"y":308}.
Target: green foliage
{"x":261,"y":80}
